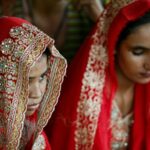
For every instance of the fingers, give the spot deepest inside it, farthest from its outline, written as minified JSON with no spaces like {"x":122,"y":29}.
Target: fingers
{"x":92,"y":7}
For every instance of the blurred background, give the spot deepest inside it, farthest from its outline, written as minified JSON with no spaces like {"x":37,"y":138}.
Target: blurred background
{"x":68,"y":22}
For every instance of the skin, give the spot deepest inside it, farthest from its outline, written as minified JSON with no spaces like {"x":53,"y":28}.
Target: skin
{"x":47,"y":15}
{"x":133,"y":65}
{"x":37,"y":84}
{"x":92,"y":7}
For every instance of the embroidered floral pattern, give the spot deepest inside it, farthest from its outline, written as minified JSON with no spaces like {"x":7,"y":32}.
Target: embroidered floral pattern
{"x":89,"y":105}
{"x":7,"y":46}
{"x":19,"y":51}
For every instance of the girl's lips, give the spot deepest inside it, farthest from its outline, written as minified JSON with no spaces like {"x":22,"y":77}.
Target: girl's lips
{"x":33,"y":106}
{"x":146,"y":74}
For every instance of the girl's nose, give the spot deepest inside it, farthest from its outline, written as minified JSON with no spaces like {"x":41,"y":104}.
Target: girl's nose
{"x":35,"y":91}
{"x":147,"y":66}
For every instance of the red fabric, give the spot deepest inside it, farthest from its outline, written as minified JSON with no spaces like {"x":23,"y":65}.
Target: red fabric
{"x":33,"y":119}
{"x":8,"y":26}
{"x":103,"y":135}
{"x":7,"y":23}
{"x":21,"y":45}
{"x":60,"y":129}
{"x":62,"y":126}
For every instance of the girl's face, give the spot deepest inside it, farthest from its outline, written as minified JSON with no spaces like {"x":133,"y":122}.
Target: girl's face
{"x":37,"y":84}
{"x":133,"y":56}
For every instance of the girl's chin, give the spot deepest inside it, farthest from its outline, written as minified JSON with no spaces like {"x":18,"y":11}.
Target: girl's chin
{"x":146,"y":81}
{"x":30,"y":112}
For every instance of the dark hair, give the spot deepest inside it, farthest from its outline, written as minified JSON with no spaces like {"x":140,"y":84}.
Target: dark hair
{"x":131,"y":27}
{"x":47,"y":52}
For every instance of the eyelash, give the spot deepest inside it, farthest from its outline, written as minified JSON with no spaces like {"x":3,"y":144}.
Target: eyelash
{"x":138,"y":52}
{"x":42,"y":77}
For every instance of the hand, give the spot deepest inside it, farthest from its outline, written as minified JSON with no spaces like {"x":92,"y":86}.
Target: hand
{"x":92,"y":7}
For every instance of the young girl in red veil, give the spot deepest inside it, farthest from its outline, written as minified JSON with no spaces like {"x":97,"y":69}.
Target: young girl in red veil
{"x":105,"y":101}
{"x":31,"y":73}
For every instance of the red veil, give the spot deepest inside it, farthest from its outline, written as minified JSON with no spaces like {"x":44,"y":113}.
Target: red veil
{"x":82,"y":117}
{"x":21,"y":45}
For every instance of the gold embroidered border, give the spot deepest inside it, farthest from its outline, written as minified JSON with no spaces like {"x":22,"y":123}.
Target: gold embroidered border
{"x":56,"y":78}
{"x":21,"y":94}
{"x":89,"y":105}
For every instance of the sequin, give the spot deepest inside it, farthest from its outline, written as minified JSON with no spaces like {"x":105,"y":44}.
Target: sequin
{"x":3,"y":66}
{"x":7,"y":46}
{"x":10,"y":83}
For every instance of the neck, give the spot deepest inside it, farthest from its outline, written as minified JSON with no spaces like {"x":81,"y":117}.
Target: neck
{"x":125,"y":85}
{"x":125,"y":93}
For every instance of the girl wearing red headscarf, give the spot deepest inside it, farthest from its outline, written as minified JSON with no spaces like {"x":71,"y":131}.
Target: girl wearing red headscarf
{"x":105,"y":101}
{"x":31,"y":73}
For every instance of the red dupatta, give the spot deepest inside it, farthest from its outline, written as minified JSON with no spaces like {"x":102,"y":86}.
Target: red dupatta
{"x":21,"y":45}
{"x":82,"y":117}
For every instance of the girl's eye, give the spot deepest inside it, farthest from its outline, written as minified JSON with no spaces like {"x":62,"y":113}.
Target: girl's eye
{"x":138,"y":51}
{"x":42,"y":77}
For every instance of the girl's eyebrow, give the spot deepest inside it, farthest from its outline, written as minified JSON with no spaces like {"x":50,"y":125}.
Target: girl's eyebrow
{"x":40,"y":75}
{"x":44,"y":73}
{"x":140,"y":47}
